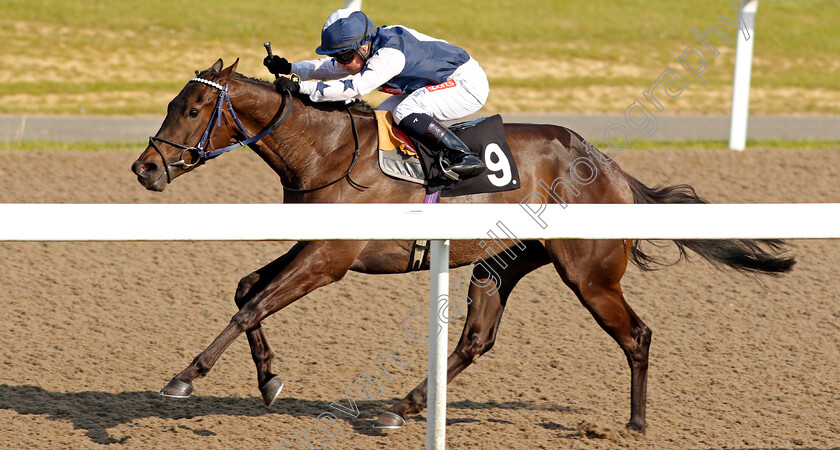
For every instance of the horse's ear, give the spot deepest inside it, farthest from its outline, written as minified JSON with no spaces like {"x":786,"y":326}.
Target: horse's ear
{"x":228,"y":72}
{"x":217,"y":67}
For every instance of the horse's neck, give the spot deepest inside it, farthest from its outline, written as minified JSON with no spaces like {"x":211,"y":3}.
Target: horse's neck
{"x":299,"y":150}
{"x":313,"y":145}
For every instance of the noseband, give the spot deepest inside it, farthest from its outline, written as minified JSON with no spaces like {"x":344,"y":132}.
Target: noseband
{"x":198,"y":151}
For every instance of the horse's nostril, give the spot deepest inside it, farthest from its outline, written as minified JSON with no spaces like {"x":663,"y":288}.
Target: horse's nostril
{"x":143,"y":168}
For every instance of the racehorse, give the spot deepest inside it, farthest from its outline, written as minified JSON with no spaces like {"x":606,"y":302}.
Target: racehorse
{"x":326,"y":153}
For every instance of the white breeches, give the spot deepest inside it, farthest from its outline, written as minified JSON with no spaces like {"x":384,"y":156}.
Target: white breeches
{"x":464,"y":94}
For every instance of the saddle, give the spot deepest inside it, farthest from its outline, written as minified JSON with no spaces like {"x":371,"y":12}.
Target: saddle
{"x":407,"y":159}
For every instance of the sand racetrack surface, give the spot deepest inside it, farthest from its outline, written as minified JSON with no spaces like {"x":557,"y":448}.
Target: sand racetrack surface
{"x":92,"y":331}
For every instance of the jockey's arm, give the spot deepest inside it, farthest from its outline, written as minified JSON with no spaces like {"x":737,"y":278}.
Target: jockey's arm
{"x":383,"y":65}
{"x":319,"y":69}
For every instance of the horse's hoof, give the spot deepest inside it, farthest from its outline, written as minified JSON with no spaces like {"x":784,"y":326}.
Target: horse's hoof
{"x":389,"y":421}
{"x":177,"y":389}
{"x":271,"y":390}
{"x":638,"y":427}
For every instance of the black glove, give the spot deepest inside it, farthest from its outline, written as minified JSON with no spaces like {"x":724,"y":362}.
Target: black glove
{"x":277,"y":65}
{"x":284,"y":84}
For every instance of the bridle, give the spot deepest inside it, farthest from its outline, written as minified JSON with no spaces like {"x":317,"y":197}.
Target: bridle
{"x":202,"y":155}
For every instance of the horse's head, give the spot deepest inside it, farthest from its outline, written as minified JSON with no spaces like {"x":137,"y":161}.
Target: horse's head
{"x":190,"y":128}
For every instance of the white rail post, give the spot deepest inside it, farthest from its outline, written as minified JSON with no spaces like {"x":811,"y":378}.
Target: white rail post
{"x":353,"y":4}
{"x":741,"y":78}
{"x":438,"y":334}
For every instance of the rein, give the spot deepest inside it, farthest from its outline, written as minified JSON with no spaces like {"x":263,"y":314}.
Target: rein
{"x":202,"y":155}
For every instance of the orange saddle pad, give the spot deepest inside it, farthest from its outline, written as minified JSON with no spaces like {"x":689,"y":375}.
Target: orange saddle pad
{"x":391,"y":138}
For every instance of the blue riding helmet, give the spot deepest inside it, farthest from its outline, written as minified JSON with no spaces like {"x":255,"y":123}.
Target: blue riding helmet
{"x":345,"y":29}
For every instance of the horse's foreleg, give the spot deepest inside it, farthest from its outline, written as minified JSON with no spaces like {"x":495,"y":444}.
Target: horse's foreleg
{"x":313,"y":265}
{"x":269,"y":384}
{"x":487,"y":300}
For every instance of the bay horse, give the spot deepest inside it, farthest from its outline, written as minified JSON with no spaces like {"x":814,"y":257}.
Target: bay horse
{"x":326,"y":153}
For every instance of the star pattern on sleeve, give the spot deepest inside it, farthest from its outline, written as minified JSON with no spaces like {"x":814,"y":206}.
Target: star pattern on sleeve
{"x":365,"y":69}
{"x":348,"y":84}
{"x":320,"y":87}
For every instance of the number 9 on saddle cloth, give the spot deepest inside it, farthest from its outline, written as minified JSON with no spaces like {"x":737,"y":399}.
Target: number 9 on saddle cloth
{"x":484,"y":136}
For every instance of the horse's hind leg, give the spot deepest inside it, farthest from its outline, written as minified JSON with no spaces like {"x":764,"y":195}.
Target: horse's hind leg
{"x":593,"y":270}
{"x":488,"y":297}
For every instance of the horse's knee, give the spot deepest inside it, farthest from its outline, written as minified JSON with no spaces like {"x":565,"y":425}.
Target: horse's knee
{"x":476,"y":344}
{"x":244,"y":289}
{"x":245,"y":319}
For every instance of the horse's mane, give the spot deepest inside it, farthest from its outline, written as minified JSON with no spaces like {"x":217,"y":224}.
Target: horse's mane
{"x":356,"y":105}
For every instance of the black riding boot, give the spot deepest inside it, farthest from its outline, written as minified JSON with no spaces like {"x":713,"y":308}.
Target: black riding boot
{"x":457,"y":160}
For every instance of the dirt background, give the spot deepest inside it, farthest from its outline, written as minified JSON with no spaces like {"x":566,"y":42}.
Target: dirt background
{"x":92,"y":331}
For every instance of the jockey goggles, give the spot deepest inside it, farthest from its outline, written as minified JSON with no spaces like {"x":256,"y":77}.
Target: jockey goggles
{"x":345,"y":57}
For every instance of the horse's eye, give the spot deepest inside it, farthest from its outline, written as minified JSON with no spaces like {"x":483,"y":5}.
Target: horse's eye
{"x":193,"y":112}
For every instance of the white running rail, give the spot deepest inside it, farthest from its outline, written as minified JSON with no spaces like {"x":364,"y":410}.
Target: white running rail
{"x":140,"y":222}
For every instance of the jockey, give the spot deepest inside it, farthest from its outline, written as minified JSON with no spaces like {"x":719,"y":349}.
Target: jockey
{"x":430,"y":79}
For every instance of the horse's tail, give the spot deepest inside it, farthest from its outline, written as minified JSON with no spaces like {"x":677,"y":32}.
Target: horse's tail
{"x":744,"y":255}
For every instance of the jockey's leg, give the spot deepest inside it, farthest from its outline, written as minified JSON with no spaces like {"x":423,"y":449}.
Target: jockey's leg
{"x":419,"y":113}
{"x":457,"y":157}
